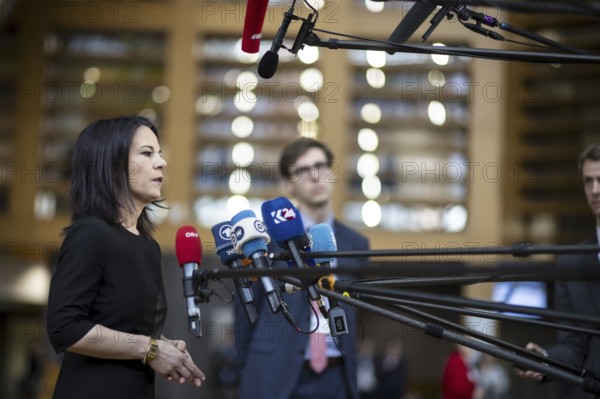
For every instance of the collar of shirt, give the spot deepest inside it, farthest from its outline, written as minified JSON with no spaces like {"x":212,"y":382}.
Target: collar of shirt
{"x":308,"y":222}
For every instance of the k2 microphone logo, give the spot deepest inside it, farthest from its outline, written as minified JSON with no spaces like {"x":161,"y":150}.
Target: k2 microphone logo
{"x":283,"y":215}
{"x":225,"y":232}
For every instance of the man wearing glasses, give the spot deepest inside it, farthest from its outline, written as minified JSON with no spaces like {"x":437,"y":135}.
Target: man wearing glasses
{"x":275,"y":359}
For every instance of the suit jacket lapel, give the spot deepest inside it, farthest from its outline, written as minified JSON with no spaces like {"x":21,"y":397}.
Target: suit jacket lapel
{"x":343,"y":242}
{"x":591,"y":260}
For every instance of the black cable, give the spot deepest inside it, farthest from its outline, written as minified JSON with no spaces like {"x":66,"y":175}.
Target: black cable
{"x":541,"y":39}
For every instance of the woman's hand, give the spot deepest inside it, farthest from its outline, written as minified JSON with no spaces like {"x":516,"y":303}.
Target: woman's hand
{"x":175,"y":363}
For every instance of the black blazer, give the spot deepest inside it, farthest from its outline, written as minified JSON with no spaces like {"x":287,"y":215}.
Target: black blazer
{"x":583,"y":298}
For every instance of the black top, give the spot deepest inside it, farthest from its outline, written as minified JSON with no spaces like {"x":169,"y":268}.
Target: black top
{"x":109,"y":276}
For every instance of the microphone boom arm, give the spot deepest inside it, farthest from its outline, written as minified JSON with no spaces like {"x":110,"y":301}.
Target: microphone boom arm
{"x":589,"y":382}
{"x":502,"y":55}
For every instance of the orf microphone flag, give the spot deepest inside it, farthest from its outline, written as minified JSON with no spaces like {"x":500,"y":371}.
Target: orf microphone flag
{"x":253,"y":25}
{"x":189,"y":256}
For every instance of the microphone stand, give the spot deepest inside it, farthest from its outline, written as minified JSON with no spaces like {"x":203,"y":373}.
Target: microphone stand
{"x":495,"y":341}
{"x":483,"y":314}
{"x":502,"y":55}
{"x":459,"y":301}
{"x":307,"y":36}
{"x":587,"y":381}
{"x":404,"y":282}
{"x":537,"y":271}
{"x":519,"y":250}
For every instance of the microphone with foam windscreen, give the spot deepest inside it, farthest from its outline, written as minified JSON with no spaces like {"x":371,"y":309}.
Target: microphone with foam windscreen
{"x":189,"y":256}
{"x":270,"y":60}
{"x":286,"y":228}
{"x":253,"y":25}
{"x":413,"y":19}
{"x":230,"y":258}
{"x":249,"y":237}
{"x":323,"y":240}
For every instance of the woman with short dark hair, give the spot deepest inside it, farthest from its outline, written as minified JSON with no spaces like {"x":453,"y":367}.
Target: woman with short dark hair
{"x":106,"y":306}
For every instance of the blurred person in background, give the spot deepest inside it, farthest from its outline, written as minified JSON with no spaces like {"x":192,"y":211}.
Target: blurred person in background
{"x":275,"y":360}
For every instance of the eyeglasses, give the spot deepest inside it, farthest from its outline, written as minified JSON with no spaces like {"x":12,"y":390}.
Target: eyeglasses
{"x":303,"y":171}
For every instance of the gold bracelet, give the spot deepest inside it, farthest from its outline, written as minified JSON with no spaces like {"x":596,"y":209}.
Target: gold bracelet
{"x":151,"y":351}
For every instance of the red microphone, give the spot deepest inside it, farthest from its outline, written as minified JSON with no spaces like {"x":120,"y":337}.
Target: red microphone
{"x":187,"y":246}
{"x":188,"y":249}
{"x":253,"y":24}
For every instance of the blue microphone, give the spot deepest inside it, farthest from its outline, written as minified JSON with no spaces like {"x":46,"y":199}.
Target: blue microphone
{"x":283,"y":220}
{"x":229,"y":257}
{"x":323,"y":240}
{"x":285,"y":227}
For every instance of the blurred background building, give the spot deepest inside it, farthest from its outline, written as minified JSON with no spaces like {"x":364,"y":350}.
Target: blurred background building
{"x":431,"y":151}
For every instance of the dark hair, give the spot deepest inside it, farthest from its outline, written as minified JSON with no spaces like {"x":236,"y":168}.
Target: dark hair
{"x":591,"y":153}
{"x":100,"y":171}
{"x":296,"y":149}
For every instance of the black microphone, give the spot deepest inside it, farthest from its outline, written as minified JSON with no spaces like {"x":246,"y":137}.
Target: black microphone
{"x":413,"y":19}
{"x":270,"y":60}
{"x":229,"y":257}
{"x":464,"y":14}
{"x":189,"y":256}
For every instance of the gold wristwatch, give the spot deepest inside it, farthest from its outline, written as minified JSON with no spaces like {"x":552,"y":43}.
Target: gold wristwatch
{"x":151,"y":351}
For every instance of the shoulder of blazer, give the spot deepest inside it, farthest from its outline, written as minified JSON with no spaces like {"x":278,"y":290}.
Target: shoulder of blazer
{"x":345,"y":234}
{"x":591,"y":239}
{"x":565,"y":260}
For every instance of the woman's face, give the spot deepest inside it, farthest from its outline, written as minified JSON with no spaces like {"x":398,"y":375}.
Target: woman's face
{"x":145,"y":167}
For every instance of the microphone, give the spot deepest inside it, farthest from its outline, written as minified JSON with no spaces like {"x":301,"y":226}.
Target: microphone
{"x":249,"y":237}
{"x":323,"y":240}
{"x":253,"y":25}
{"x":285,"y":227}
{"x":230,"y":258}
{"x":189,"y":256}
{"x":270,"y":60}
{"x":464,"y":14}
{"x":413,"y":19}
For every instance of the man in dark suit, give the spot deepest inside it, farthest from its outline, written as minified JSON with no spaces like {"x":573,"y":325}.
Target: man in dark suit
{"x":578,"y":297}
{"x":274,"y":358}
